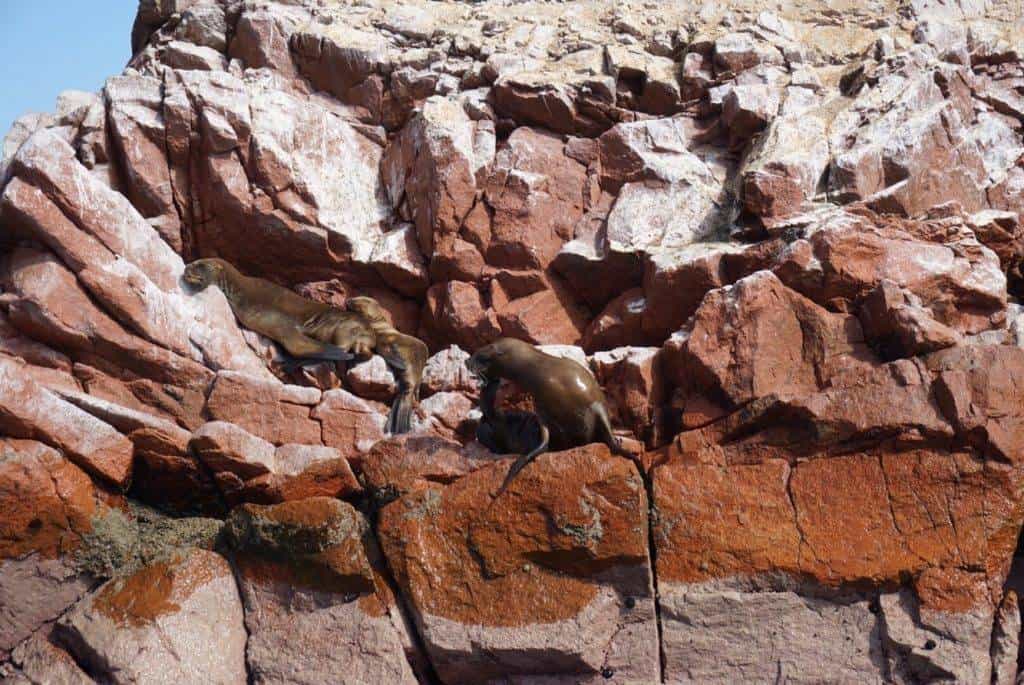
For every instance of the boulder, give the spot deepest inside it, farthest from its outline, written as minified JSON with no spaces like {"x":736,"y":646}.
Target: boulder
{"x":572,"y":526}
{"x":184,"y":615}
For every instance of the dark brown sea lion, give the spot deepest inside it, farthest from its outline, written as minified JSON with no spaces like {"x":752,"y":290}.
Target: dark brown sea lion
{"x":566,"y":395}
{"x":404,"y":354}
{"x":503,"y":432}
{"x":308,"y":330}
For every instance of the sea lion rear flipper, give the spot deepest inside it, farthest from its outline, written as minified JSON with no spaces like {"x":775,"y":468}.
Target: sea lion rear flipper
{"x":520,"y":463}
{"x":400,"y":416}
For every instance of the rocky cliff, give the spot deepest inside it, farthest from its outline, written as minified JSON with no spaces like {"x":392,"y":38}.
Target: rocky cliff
{"x":786,"y":237}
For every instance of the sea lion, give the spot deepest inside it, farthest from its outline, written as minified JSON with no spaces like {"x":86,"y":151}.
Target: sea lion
{"x":405,"y":355}
{"x":570,"y":403}
{"x":308,"y":330}
{"x":504,"y":432}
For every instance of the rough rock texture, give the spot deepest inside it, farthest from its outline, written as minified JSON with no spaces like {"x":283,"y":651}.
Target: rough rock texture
{"x":173,"y":621}
{"x":787,"y":238}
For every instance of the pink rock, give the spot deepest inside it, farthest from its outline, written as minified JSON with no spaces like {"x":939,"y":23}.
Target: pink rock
{"x":397,"y":259}
{"x":455,"y":314}
{"x":318,"y":605}
{"x":371,"y":380}
{"x":29,"y":411}
{"x":183,"y":614}
{"x":268,"y":409}
{"x":350,"y":425}
{"x":446,"y":371}
{"x":536,"y":192}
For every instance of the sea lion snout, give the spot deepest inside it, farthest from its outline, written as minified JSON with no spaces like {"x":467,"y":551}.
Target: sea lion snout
{"x":202,"y":272}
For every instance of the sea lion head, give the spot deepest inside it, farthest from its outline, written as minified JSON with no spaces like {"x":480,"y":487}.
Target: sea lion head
{"x":204,"y":272}
{"x":499,"y":358}
{"x":368,"y":308}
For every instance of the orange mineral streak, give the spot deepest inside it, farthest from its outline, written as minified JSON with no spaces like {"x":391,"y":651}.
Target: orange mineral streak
{"x":875,"y":518}
{"x":158,"y":589}
{"x":529,"y":558}
{"x":47,"y":502}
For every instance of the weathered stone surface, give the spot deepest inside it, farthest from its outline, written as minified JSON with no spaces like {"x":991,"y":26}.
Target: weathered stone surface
{"x":349,"y":424}
{"x":39,"y":660}
{"x":173,"y":621}
{"x":318,"y":607}
{"x":941,"y":262}
{"x":30,"y":411}
{"x":789,"y":238}
{"x":266,"y":408}
{"x":49,"y":504}
{"x":582,"y":586}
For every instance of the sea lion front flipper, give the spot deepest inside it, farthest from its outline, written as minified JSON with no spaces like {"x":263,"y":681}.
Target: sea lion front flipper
{"x":604,"y":431}
{"x":520,"y":463}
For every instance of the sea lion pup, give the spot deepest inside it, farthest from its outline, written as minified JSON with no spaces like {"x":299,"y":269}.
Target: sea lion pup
{"x":504,"y":432}
{"x":570,"y":403}
{"x":308,"y":330}
{"x":404,"y":354}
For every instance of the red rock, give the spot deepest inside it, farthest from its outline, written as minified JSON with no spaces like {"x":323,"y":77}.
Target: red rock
{"x":432,"y":168}
{"x":571,"y":98}
{"x":785,"y":166}
{"x":49,"y":504}
{"x":401,"y":464}
{"x":758,"y":338}
{"x":399,"y":263}
{"x":53,"y":309}
{"x":268,"y":409}
{"x":635,"y":387}
{"x":848,"y":255}
{"x":546,"y":317}
{"x":915,"y":164}
{"x":897,"y":325}
{"x":135,"y":105}
{"x":619,"y":325}
{"x":978,"y":388}
{"x":30,"y":411}
{"x":747,"y":110}
{"x":566,"y":540}
{"x":455,"y":315}
{"x":147,"y":613}
{"x":675,"y":284}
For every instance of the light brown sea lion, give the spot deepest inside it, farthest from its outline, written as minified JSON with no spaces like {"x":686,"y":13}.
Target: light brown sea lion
{"x":308,"y":330}
{"x":570,"y":403}
{"x":404,"y":354}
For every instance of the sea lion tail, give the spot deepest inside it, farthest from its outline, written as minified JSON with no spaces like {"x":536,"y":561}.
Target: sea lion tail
{"x":520,"y":463}
{"x":400,"y":416}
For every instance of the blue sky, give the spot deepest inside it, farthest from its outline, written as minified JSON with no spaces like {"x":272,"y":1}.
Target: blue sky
{"x":55,"y":45}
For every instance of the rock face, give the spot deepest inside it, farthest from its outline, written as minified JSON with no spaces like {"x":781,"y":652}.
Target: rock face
{"x":788,"y":240}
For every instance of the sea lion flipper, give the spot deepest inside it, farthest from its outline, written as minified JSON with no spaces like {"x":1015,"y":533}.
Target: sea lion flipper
{"x":521,"y":463}
{"x":392,"y":356}
{"x":400,"y":415}
{"x":301,"y":346}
